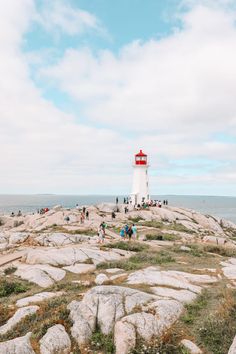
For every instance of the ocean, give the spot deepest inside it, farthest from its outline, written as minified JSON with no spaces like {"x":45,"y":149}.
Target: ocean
{"x":223,"y":207}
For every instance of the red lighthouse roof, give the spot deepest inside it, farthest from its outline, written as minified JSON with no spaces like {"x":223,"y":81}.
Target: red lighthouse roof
{"x":141,"y":153}
{"x":140,"y":158}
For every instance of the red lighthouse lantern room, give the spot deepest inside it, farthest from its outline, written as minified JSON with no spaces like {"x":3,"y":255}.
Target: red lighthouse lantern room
{"x":140,"y":158}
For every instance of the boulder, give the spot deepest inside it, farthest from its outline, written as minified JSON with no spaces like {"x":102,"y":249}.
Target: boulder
{"x":20,"y":345}
{"x":55,"y":341}
{"x":40,"y":274}
{"x":18,"y":237}
{"x":113,"y":270}
{"x":17,"y":317}
{"x":79,"y":268}
{"x":37,"y":298}
{"x":138,"y":312}
{"x":101,"y":279}
{"x":191,"y":347}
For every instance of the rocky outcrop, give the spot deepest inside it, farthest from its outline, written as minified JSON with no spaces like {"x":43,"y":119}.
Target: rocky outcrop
{"x":130,"y":312}
{"x":70,"y":256}
{"x":174,"y":279}
{"x":79,"y":268}
{"x":55,"y":341}
{"x":56,"y":239}
{"x":40,"y":274}
{"x":20,"y":345}
{"x":183,"y":296}
{"x":17,"y":317}
{"x":101,"y":279}
{"x":37,"y":298}
{"x":229,"y":269}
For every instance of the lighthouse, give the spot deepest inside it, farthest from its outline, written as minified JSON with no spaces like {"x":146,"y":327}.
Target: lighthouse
{"x":140,"y":193}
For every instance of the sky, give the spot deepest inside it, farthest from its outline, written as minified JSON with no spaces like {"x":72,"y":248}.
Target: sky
{"x":86,"y":84}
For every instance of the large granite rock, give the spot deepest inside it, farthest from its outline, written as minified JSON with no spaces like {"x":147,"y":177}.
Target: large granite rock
{"x":60,"y":239}
{"x":69,"y":256}
{"x":17,"y":317}
{"x":37,"y":298}
{"x":55,"y":341}
{"x":183,"y":296}
{"x":40,"y":274}
{"x":132,"y":312}
{"x":18,"y":237}
{"x":179,"y":280}
{"x":79,"y":268}
{"x":20,"y":345}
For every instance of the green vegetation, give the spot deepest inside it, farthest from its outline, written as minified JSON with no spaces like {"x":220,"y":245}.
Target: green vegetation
{"x":136,"y":219}
{"x":100,"y":341}
{"x":194,"y":250}
{"x":153,"y":223}
{"x":193,"y":309}
{"x":128,"y":246}
{"x":162,"y":237}
{"x":12,"y":287}
{"x":218,"y":329}
{"x":10,"y":270}
{"x":140,"y":260}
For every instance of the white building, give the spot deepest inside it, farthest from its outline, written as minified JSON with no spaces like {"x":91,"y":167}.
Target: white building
{"x":140,"y":190}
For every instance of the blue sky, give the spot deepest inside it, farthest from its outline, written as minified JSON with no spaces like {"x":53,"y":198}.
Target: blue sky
{"x":85,"y":84}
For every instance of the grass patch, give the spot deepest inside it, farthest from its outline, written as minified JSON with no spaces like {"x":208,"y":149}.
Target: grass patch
{"x":87,"y":232}
{"x":218,"y":329}
{"x":221,"y":250}
{"x":181,"y":228}
{"x":128,"y":246}
{"x":193,"y":309}
{"x":195,"y":250}
{"x":136,"y":219}
{"x":8,"y":288}
{"x":100,"y":341}
{"x":5,"y":314}
{"x":139,"y":260}
{"x":154,"y":223}
{"x":162,"y":237}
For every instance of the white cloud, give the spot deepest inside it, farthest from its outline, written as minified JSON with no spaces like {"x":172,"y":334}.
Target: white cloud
{"x":173,"y":93}
{"x":60,"y":15}
{"x":184,"y":83}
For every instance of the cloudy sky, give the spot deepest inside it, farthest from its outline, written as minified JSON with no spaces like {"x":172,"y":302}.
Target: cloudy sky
{"x":86,"y":84}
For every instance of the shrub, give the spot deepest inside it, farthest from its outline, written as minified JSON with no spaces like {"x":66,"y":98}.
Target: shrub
{"x":100,"y":341}
{"x":153,"y":223}
{"x":162,"y":237}
{"x":18,"y":223}
{"x":136,"y":219}
{"x":7,"y":288}
{"x":128,"y":246}
{"x":10,"y":270}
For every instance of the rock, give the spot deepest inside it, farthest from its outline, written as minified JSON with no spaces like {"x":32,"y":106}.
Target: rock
{"x":232,"y":349}
{"x":18,"y":237}
{"x":82,"y":282}
{"x":20,"y":345}
{"x":37,"y":298}
{"x":80,"y":268}
{"x":55,"y":341}
{"x":184,"y":296}
{"x":107,"y":207}
{"x":117,"y":276}
{"x":60,"y":239}
{"x":17,"y":317}
{"x":113,"y":270}
{"x":128,"y":308}
{"x":68,"y":256}
{"x":101,"y":279}
{"x":191,"y":347}
{"x":185,"y":248}
{"x":40,"y":274}
{"x":215,"y":240}
{"x":152,"y":276}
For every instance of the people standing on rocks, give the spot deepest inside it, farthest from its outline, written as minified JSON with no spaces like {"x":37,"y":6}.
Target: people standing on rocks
{"x":113,"y":215}
{"x":122,"y":232}
{"x":126,"y":209}
{"x":126,"y":229}
{"x":82,"y":217}
{"x":103,"y":225}
{"x":134,"y":229}
{"x":87,"y":215}
{"x":12,"y":214}
{"x":84,"y":209}
{"x":19,"y":213}
{"x":117,"y":200}
{"x":130,"y":232}
{"x":67,"y":219}
{"x":100,"y":234}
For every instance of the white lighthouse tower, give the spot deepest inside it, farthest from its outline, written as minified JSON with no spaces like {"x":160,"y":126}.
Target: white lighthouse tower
{"x":140,"y":190}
